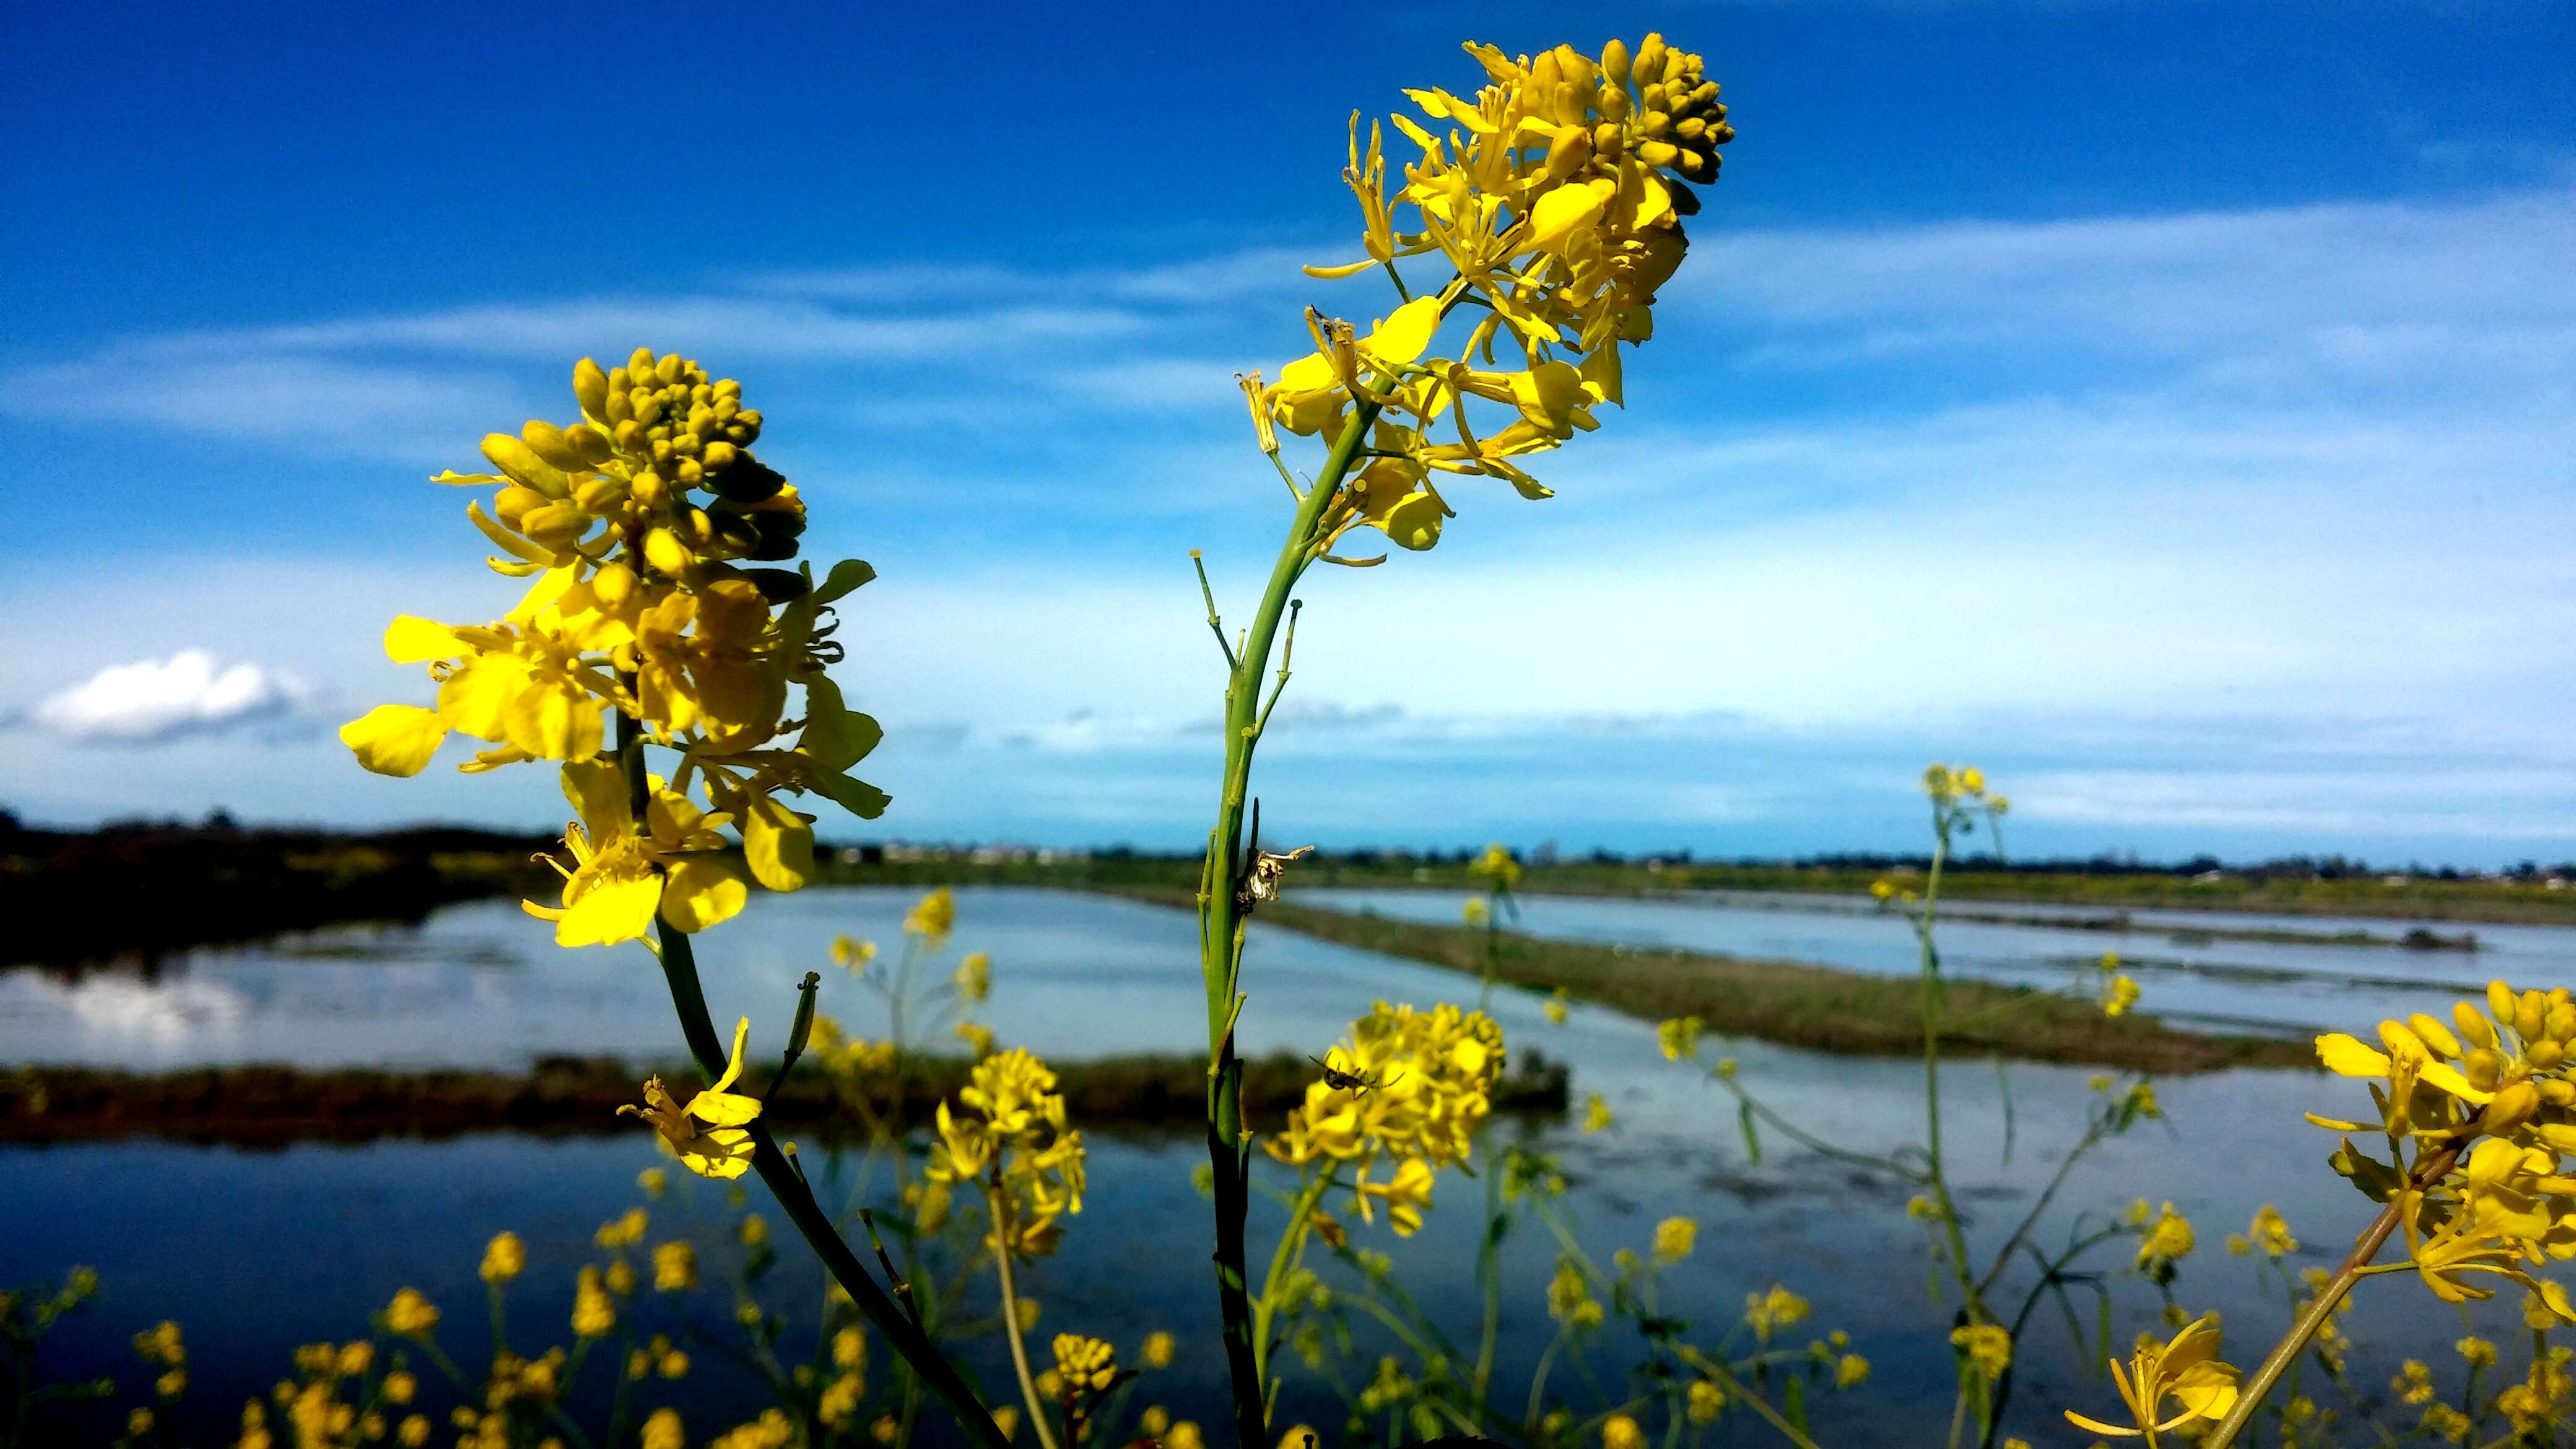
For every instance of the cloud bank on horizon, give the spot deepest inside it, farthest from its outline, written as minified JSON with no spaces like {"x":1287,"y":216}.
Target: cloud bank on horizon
{"x":2236,"y":527}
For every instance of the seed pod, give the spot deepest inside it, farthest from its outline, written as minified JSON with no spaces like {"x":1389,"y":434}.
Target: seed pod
{"x":778,"y":586}
{"x":590,"y":385}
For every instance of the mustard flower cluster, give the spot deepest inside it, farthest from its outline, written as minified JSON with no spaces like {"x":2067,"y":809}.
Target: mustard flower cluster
{"x":637,"y":524}
{"x":1555,"y":196}
{"x":1011,"y":1139}
{"x":1412,"y":1087}
{"x":2479,"y":1122}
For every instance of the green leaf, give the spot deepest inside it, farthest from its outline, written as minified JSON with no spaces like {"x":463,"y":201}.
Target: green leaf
{"x":1752,"y":1140}
{"x":835,"y":736}
{"x":858,"y":797}
{"x":845,"y":576}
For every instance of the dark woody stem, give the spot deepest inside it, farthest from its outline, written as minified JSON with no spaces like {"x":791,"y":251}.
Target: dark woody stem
{"x":786,"y":1182}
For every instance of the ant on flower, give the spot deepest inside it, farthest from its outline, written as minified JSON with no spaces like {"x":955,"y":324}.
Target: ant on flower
{"x":1342,"y":1081}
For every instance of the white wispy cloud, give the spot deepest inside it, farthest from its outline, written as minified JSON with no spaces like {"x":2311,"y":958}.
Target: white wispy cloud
{"x":155,"y":700}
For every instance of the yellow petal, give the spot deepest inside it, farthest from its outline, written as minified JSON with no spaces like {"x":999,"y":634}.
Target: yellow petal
{"x":1309,"y":373}
{"x":2096,"y":1426}
{"x":2448,"y":1079}
{"x":723,"y":1153}
{"x":1562,"y":212}
{"x":1414,"y":522}
{"x":410,"y":640}
{"x":597,"y":790}
{"x":476,"y":698}
{"x":554,"y":720}
{"x":733,"y":1060}
{"x":1401,"y":338}
{"x":612,"y":908}
{"x":2344,"y":1055}
{"x":723,"y":1109}
{"x":700,"y":894}
{"x":778,"y":844}
{"x":541,"y":595}
{"x":394,"y":739}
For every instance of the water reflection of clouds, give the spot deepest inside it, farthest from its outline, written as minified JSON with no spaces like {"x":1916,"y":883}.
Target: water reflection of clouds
{"x":167,"y":1013}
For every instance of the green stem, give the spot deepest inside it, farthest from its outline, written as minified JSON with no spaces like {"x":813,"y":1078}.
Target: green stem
{"x":1221,"y":923}
{"x":1931,"y":973}
{"x":1489,"y":1274}
{"x":689,"y":1000}
{"x":2249,"y":1399}
{"x":1011,"y":1312}
{"x":1291,"y":1240}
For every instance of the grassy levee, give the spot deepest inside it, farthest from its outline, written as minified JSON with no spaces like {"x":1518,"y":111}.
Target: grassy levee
{"x":2419,"y":898}
{"x":268,"y":1105}
{"x":1793,"y":1004}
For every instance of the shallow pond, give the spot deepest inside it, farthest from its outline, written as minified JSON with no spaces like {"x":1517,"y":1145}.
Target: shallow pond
{"x":256,"y":1251}
{"x":2190,"y":968}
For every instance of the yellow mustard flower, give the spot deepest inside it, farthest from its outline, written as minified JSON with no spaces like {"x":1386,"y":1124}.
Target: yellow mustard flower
{"x":934,"y":917}
{"x":504,"y":1258}
{"x":1621,"y":1432}
{"x":708,"y":1135}
{"x":1850,"y":1371}
{"x":410,"y":1315}
{"x":1555,"y":1007}
{"x":1013,"y":1123}
{"x":974,"y":978}
{"x":663,"y":1430}
{"x":1674,"y":1239}
{"x":594,"y":1313}
{"x":1775,"y":1308}
{"x":2166,"y":1242}
{"x":1596,"y":1113}
{"x":1986,"y":1345}
{"x":1703,"y":1401}
{"x":1678,"y":1037}
{"x":623,"y":876}
{"x":1087,"y":1366}
{"x":1158,"y":1350}
{"x":2185,"y":1369}
{"x":675,"y":1266}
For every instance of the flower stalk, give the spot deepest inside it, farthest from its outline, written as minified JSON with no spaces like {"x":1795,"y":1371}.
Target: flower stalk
{"x":2356,"y":1265}
{"x":785,"y":1182}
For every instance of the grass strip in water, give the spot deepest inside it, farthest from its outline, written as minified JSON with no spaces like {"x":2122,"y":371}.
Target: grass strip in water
{"x":579,"y":1096}
{"x":1791,"y":1003}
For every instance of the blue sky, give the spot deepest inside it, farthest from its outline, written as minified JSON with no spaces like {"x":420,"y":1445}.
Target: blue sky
{"x":2167,"y":406}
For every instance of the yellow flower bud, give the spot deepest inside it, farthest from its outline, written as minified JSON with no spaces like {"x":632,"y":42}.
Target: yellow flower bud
{"x":2514,"y":1105}
{"x":1614,"y":61}
{"x":590,"y":385}
{"x":2474,"y":1027}
{"x":2500,"y":1002}
{"x":664,"y":551}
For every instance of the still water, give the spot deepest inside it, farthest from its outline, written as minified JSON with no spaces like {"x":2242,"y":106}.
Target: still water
{"x":255,"y":1251}
{"x":2190,"y":969}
